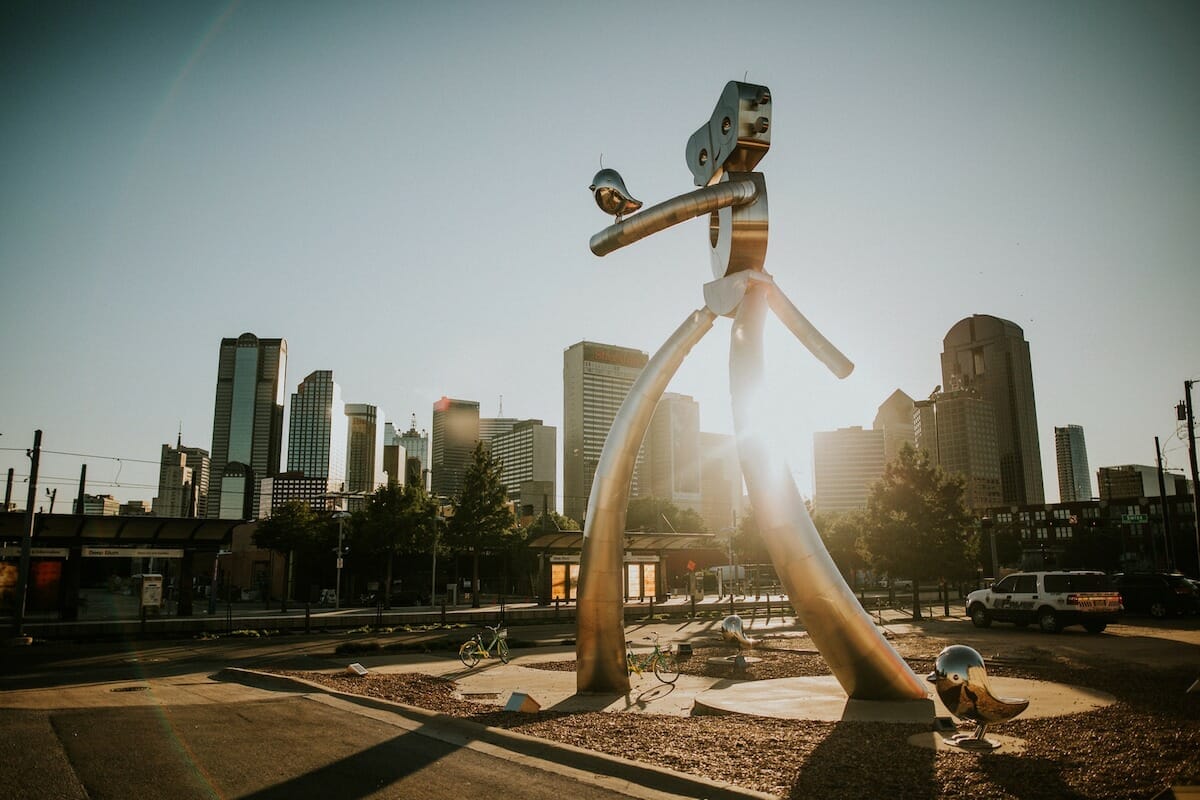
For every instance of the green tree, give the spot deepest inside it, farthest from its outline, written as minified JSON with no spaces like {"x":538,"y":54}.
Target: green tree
{"x":396,"y":520}
{"x":552,"y":521}
{"x":841,"y":532}
{"x":483,"y":519}
{"x":653,"y":514}
{"x":916,"y":522}
{"x":748,"y":547}
{"x":291,"y":529}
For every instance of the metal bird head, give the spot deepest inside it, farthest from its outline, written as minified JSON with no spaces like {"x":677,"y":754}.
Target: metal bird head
{"x":961,"y":680}
{"x":733,"y":630}
{"x":611,"y":194}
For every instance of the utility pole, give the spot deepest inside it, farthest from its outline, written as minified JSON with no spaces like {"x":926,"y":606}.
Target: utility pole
{"x":82,"y":488}
{"x":35,"y":456}
{"x":8,"y":489}
{"x":1162,"y":496}
{"x":1191,"y":437}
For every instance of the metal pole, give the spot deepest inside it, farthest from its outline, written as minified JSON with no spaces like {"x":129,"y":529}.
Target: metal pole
{"x":1162,"y":496}
{"x":82,"y":487}
{"x":8,"y":489}
{"x":337,"y":592}
{"x":35,"y":456}
{"x":1191,"y":434}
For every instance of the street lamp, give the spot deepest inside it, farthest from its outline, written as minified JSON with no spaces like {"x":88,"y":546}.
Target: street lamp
{"x":340,"y":516}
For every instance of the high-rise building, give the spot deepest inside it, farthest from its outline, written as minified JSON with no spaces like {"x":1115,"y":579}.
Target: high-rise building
{"x":1137,"y":480}
{"x":317,"y":429}
{"x":846,"y":462}
{"x":491,"y":427}
{"x":596,"y":379}
{"x":247,"y":421}
{"x":416,"y":446}
{"x":895,"y":419}
{"x":671,"y":452}
{"x":958,"y":431}
{"x":455,"y":434}
{"x":527,"y":455}
{"x":100,"y":505}
{"x":990,"y":355}
{"x":720,"y":481}
{"x":1074,"y":477}
{"x":135,"y":508}
{"x":364,"y":448}
{"x":183,"y":474}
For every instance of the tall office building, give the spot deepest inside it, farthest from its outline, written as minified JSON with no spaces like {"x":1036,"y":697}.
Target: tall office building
{"x":720,"y":481}
{"x":528,"y":467}
{"x":183,"y":474}
{"x":491,"y":427}
{"x":455,"y":434}
{"x":671,"y":452}
{"x":1136,"y":480}
{"x":317,"y":429}
{"x":895,"y":418}
{"x":846,"y":462}
{"x":991,"y":356}
{"x":1074,"y":478}
{"x":416,"y":446}
{"x":596,"y":379}
{"x":364,"y":448}
{"x":958,"y":430}
{"x":247,"y":422}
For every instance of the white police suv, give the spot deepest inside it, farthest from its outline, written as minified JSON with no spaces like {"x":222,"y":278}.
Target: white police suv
{"x":1052,"y":600}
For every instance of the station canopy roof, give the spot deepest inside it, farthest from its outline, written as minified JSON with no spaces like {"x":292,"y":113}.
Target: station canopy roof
{"x":74,"y":530}
{"x":634,"y":540}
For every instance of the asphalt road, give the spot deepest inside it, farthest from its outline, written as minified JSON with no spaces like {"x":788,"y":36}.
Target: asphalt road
{"x":294,"y":747}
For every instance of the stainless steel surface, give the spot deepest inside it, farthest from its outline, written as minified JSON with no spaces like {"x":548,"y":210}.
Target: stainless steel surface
{"x":600,"y":625}
{"x":961,"y":680}
{"x":857,"y":654}
{"x":737,"y":234}
{"x":671,"y":212}
{"x":734,"y":630}
{"x":808,"y":335}
{"x":611,"y":195}
{"x":736,"y":136}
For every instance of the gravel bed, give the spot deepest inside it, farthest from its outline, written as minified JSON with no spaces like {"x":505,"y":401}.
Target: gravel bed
{"x":1144,"y":743}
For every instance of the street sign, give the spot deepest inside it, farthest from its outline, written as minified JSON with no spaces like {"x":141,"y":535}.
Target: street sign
{"x":1135,"y":519}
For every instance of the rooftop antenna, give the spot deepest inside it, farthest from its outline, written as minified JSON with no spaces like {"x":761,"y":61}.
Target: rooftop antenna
{"x":179,"y":436}
{"x":501,"y":406}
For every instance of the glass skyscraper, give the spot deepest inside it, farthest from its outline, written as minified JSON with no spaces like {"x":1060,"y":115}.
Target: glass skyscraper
{"x":317,"y":429}
{"x":1074,"y":478}
{"x":247,"y":423}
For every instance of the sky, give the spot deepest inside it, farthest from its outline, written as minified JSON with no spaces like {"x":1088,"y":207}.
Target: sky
{"x":400,"y":190}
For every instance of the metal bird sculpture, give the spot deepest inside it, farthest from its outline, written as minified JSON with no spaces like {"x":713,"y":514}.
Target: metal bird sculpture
{"x":732,"y":630}
{"x":961,"y":681}
{"x":611,"y":194}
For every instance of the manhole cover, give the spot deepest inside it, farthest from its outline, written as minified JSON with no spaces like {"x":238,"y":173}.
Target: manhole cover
{"x":130,"y":689}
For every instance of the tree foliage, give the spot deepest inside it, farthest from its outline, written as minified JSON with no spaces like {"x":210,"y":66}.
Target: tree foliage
{"x":549,"y":522}
{"x":748,"y":547}
{"x":841,"y":532}
{"x":916,"y":522}
{"x":655,"y":515}
{"x":483,"y":519}
{"x":292,"y":529}
{"x":396,"y":520}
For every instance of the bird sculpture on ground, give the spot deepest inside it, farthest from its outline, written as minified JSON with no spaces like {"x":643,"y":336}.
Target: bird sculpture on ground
{"x":961,"y":681}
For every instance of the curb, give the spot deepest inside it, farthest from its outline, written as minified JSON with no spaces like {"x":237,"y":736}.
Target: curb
{"x":607,"y":771}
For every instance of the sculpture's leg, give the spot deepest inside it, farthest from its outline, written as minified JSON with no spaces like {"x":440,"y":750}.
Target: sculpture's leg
{"x":600,"y":626}
{"x":857,"y":654}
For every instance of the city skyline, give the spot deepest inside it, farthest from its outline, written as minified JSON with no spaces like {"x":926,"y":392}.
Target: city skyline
{"x":207,"y":165}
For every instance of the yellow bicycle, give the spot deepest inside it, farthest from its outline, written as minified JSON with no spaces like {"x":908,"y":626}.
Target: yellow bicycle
{"x":473,"y":649}
{"x":659,"y":660}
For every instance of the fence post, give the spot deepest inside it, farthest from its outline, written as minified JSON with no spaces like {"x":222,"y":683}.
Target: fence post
{"x":308,"y":617}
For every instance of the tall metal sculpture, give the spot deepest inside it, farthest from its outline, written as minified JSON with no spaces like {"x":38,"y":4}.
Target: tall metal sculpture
{"x":721,"y":156}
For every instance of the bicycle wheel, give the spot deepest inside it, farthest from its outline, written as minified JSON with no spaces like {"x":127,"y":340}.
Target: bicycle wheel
{"x":502,"y":650}
{"x":469,"y":653}
{"x":631,"y":664}
{"x":665,"y":668}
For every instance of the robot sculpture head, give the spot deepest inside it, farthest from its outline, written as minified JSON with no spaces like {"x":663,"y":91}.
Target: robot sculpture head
{"x":611,"y":194}
{"x":732,"y":630}
{"x":961,"y":681}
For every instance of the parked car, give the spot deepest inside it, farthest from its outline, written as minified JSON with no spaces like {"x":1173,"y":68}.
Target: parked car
{"x":1052,"y":600}
{"x":1159,"y":594}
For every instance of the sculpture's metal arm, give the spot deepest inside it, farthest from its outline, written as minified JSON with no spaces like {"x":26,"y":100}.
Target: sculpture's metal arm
{"x":672,"y":212}
{"x":807,"y":333}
